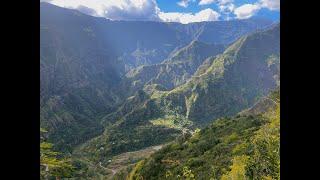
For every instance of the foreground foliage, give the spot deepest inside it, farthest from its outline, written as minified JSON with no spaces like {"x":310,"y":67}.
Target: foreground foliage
{"x":243,"y":147}
{"x":52,"y":165}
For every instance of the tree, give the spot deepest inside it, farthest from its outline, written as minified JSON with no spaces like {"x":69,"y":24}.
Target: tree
{"x":51,"y":162}
{"x":265,"y":161}
{"x":187,"y":173}
{"x":238,"y":169}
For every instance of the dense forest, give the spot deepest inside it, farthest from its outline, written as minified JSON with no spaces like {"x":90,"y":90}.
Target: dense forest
{"x":246,"y":146}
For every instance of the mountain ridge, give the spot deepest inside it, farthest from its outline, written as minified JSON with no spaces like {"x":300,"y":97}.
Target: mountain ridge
{"x":234,"y":81}
{"x":82,"y":59}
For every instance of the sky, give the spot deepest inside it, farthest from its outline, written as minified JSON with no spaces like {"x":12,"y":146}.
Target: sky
{"x":183,"y":11}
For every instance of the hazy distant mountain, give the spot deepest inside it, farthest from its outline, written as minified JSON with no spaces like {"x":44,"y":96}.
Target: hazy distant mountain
{"x":170,"y":73}
{"x":144,"y":42}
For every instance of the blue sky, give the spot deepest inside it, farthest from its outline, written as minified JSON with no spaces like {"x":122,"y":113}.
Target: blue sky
{"x":183,"y":11}
{"x":194,"y":7}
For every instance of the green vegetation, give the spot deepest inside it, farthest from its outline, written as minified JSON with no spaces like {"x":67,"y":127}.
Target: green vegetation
{"x":171,"y":72}
{"x":227,"y":87}
{"x":241,"y":147}
{"x":172,"y":122}
{"x":52,"y":163}
{"x":107,"y":96}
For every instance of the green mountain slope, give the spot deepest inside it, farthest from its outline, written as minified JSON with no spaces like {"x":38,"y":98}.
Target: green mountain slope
{"x":171,"y":72}
{"x":242,"y":147}
{"x":246,"y":70}
{"x":77,"y":71}
{"x":233,"y":81}
{"x":83,"y":59}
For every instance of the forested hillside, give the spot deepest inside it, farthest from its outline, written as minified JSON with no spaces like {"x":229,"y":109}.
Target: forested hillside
{"x":235,"y":80}
{"x":84,"y":59}
{"x":170,"y":73}
{"x":112,"y":93}
{"x":245,"y":146}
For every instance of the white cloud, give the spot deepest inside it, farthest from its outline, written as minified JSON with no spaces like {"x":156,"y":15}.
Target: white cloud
{"x":206,"y":2}
{"x":227,"y":11}
{"x":135,"y":10}
{"x":227,"y":8}
{"x":148,"y":10}
{"x":185,"y":18}
{"x":183,"y":3}
{"x":114,"y":9}
{"x":246,"y":11}
{"x":270,"y":4}
{"x":223,"y":2}
{"x":220,"y":2}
